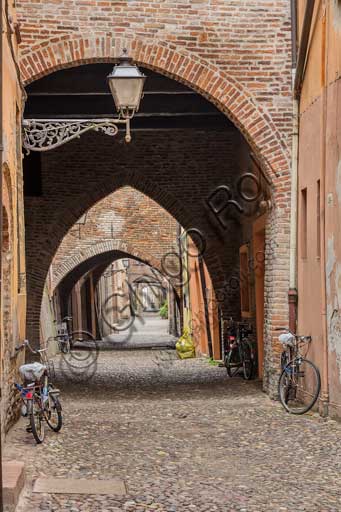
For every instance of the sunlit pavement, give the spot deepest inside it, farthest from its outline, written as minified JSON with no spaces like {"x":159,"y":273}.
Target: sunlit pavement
{"x":142,"y":331}
{"x":183,"y":437}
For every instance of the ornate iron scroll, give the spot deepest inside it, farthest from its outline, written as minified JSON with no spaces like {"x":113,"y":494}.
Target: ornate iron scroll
{"x":46,"y":134}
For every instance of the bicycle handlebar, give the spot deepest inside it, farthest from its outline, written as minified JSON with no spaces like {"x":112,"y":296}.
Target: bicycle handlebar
{"x":26,"y":343}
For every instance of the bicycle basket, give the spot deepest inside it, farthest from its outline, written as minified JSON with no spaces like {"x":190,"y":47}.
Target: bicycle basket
{"x":287,"y":339}
{"x":32,"y":371}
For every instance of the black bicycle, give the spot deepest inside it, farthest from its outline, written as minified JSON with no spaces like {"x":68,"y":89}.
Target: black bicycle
{"x":64,"y":339}
{"x":239,"y":353}
{"x":300,"y":382}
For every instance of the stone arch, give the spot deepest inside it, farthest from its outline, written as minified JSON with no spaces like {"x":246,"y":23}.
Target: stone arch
{"x":233,"y":99}
{"x":109,"y":246}
{"x":96,"y":260}
{"x":229,"y":96}
{"x":68,"y":216}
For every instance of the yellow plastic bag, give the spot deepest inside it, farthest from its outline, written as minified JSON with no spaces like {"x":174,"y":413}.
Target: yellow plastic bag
{"x":185,"y":346}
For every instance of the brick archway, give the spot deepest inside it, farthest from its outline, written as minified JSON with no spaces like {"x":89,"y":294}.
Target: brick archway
{"x":229,"y":96}
{"x":109,"y":246}
{"x":249,"y":115}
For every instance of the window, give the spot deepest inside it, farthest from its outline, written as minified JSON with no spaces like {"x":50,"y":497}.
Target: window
{"x":304,"y":225}
{"x":245,"y":294}
{"x":318,"y":221}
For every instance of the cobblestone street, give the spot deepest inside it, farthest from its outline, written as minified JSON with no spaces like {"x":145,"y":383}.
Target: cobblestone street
{"x":183,"y":437}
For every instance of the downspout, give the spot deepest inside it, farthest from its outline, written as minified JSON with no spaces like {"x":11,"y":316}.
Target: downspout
{"x":325,"y":373}
{"x":181,"y":294}
{"x":292,"y":295}
{"x":207,"y":314}
{"x":1,"y":159}
{"x":303,"y":46}
{"x":298,"y":69}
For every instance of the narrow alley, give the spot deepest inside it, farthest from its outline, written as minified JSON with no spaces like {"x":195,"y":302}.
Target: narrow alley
{"x":181,"y":436}
{"x":170,"y":256}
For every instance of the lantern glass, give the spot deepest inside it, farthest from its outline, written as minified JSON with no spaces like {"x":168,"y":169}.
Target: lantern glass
{"x":126,"y":84}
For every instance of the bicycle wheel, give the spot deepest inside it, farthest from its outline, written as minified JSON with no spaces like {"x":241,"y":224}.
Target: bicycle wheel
{"x":248,"y":363}
{"x":65,"y":346}
{"x":299,"y":386}
{"x":36,"y":416}
{"x":232,"y":362}
{"x":53,"y":413}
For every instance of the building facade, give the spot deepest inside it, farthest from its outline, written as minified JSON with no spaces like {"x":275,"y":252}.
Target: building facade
{"x":13,"y":282}
{"x":319,"y":194}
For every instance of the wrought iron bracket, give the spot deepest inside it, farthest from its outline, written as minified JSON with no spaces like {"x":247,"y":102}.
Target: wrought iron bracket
{"x":45,"y":134}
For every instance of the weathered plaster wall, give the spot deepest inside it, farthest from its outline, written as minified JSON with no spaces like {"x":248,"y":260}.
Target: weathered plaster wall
{"x":320,"y":159}
{"x":13,"y":257}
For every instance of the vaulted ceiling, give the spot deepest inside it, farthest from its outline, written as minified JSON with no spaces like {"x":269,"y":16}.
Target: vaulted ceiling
{"x":83,"y":92}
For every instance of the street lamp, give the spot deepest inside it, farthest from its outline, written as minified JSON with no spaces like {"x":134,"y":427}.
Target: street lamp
{"x":126,"y":85}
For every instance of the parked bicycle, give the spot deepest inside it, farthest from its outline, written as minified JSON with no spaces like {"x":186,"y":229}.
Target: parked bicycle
{"x":300,"y":382}
{"x":239,"y":353}
{"x":40,"y":398}
{"x":64,"y":338}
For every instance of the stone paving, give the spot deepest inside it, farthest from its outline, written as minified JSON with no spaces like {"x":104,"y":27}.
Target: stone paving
{"x":183,"y":437}
{"x":146,"y":331}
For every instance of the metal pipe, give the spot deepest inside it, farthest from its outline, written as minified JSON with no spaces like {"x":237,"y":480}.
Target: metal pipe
{"x":303,"y":46}
{"x":1,"y":222}
{"x":207,"y":314}
{"x":325,"y":371}
{"x":293,"y":12}
{"x":292,"y":295}
{"x":179,"y":233}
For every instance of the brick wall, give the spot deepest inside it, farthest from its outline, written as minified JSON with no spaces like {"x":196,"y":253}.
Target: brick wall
{"x":114,"y":225}
{"x":237,"y":54}
{"x":175,"y":169}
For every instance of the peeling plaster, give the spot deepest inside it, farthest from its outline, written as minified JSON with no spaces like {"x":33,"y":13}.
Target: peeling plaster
{"x":331,"y":259}
{"x":334,"y":337}
{"x":338,"y":182}
{"x":333,"y":285}
{"x":337,"y":15}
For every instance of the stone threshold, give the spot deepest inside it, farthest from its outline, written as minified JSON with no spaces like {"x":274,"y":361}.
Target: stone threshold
{"x":79,"y":486}
{"x":13,"y":473}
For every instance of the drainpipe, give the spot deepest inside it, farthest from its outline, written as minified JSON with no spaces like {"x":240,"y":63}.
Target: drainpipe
{"x":303,"y":47}
{"x":207,"y":314}
{"x":325,"y":373}
{"x":181,"y":295}
{"x":1,"y":157}
{"x":292,"y":295}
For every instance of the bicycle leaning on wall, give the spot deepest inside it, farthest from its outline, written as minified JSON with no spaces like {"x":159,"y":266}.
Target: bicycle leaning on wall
{"x":40,"y":399}
{"x":239,"y":353}
{"x":300,"y":382}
